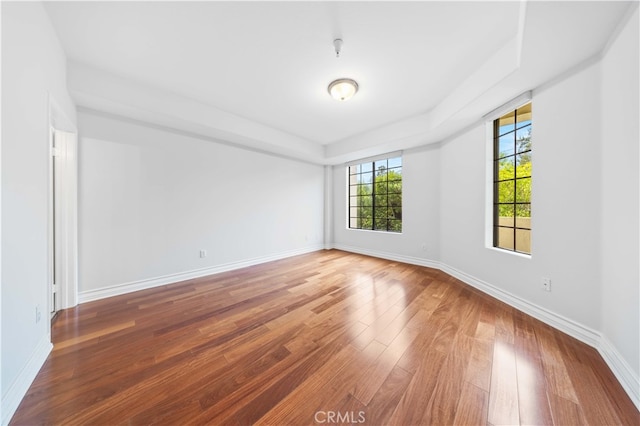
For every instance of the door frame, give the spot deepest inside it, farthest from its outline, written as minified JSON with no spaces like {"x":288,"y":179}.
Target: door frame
{"x":66,"y":255}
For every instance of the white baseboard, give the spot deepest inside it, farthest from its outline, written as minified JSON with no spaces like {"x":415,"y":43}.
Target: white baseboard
{"x":566,"y":325}
{"x":620,"y":368}
{"x":389,"y":256}
{"x":18,"y":389}
{"x":124,"y":288}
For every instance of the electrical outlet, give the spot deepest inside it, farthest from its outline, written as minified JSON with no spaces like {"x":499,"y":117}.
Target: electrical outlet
{"x":203,"y":253}
{"x":38,"y":314}
{"x":546,"y":284}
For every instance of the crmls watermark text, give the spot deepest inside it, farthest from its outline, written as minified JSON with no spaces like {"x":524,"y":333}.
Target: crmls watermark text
{"x":339,"y":417}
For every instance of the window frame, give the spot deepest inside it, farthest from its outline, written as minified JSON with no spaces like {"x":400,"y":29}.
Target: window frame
{"x":496,"y":158}
{"x":355,"y":176}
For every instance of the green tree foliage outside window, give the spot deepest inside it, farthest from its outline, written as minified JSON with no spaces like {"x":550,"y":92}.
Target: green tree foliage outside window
{"x":375,"y":195}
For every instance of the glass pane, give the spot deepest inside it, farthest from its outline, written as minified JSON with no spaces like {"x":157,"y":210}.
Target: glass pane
{"x":523,"y":139}
{"x":366,"y":222}
{"x":365,"y":189}
{"x":523,"y":165}
{"x":505,"y":191}
{"x":381,"y":176}
{"x":395,"y":225}
{"x":381,"y":211}
{"x":366,"y":167}
{"x":396,"y":212}
{"x":506,"y":123}
{"x":365,"y":178}
{"x":524,"y":115}
{"x":523,"y":216}
{"x":394,"y":174}
{"x":353,"y":201}
{"x":504,"y":238}
{"x":353,"y":211}
{"x":353,"y":222}
{"x":381,"y":187}
{"x":523,"y":241}
{"x":365,"y":201}
{"x":523,"y":190}
{"x":395,"y":201}
{"x":354,"y":169}
{"x":395,"y":162}
{"x":506,"y":168}
{"x":381,"y":224}
{"x":381,"y":201}
{"x":506,"y":145}
{"x":380,"y":167}
{"x":505,"y":214}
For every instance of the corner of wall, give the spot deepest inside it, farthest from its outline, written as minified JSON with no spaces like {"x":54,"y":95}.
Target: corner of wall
{"x":621,"y":369}
{"x":20,"y":386}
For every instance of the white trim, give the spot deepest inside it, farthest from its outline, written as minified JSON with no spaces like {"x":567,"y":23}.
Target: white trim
{"x":18,"y":389}
{"x":66,"y":254}
{"x":124,"y":288}
{"x":564,"y":324}
{"x":628,"y":379}
{"x":572,"y":328}
{"x":513,"y":104}
{"x":64,"y":207}
{"x":328,"y":205}
{"x":389,"y":256}
{"x":488,"y":185}
{"x":374,"y":158}
{"x":509,"y":252}
{"x":621,"y":369}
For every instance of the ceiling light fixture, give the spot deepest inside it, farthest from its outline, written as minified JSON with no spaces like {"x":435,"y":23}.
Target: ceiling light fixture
{"x":342,"y":89}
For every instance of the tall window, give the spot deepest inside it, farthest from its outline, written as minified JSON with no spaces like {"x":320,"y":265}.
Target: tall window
{"x":375,"y":195}
{"x":512,"y":180}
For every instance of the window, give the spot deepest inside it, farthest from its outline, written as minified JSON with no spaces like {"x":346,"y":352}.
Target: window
{"x":375,"y":195}
{"x":512,"y":180}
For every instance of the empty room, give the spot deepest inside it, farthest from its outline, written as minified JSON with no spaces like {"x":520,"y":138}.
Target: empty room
{"x":299,"y":213}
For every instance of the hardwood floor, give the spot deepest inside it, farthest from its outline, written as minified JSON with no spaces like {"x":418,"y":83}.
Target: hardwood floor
{"x":329,"y":337}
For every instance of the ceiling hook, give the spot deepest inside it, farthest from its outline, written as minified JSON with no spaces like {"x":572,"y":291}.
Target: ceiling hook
{"x":337,"y":43}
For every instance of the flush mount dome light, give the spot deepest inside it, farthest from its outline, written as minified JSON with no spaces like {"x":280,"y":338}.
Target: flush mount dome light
{"x":343,"y":89}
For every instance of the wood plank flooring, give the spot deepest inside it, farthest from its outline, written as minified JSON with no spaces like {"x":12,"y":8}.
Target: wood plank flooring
{"x":324,"y":338}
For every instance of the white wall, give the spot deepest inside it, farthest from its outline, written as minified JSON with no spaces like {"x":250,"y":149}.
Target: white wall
{"x":33,"y":68}
{"x":420,"y":213}
{"x":150,"y":200}
{"x":566,"y":183}
{"x":620,"y":186}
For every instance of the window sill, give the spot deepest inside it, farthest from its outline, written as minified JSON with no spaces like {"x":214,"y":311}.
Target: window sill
{"x":509,"y":252}
{"x":374,"y":231}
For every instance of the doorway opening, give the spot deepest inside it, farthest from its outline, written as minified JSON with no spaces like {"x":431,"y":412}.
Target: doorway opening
{"x":63,"y":202}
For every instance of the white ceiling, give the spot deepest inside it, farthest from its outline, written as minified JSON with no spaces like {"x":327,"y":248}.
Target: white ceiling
{"x":256,"y":73}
